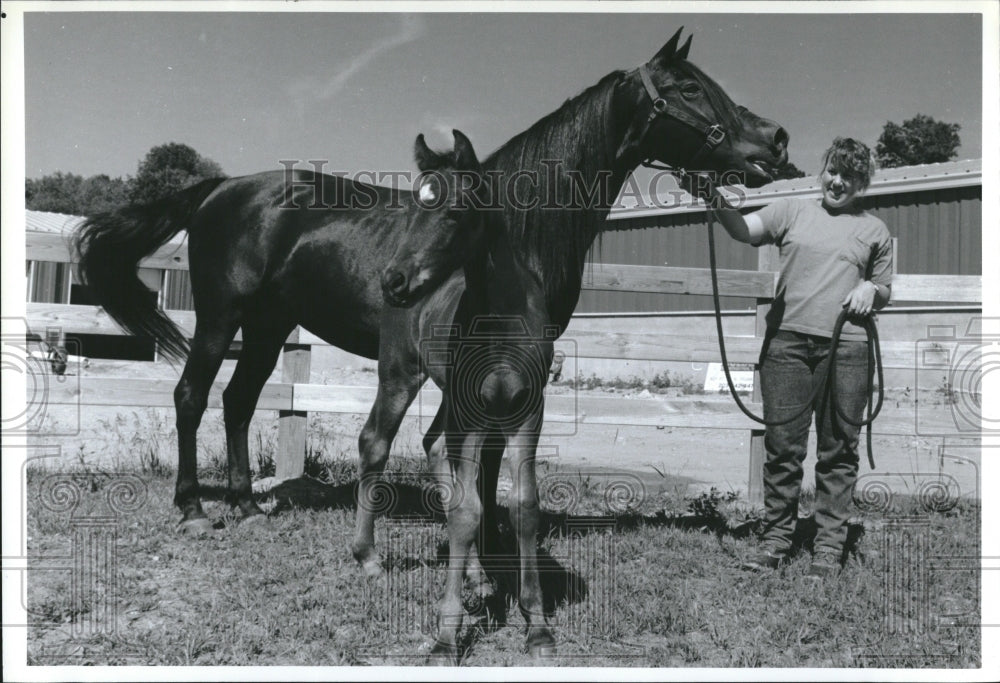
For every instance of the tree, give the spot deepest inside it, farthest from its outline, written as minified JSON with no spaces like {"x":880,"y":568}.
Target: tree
{"x":164,"y":170}
{"x":920,"y":140}
{"x":167,"y":169}
{"x":788,"y":171}
{"x":74,"y":194}
{"x":102,"y":193}
{"x":59,"y":193}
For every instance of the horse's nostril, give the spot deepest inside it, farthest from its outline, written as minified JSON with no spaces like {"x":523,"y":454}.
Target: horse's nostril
{"x":780,"y":141}
{"x":393,"y":281}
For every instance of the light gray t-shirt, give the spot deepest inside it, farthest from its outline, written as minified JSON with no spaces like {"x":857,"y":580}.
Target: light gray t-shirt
{"x":823,"y":257}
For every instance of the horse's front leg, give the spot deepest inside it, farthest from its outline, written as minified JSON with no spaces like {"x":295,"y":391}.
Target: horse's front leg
{"x":522,"y":444}
{"x":395,"y":394}
{"x":464,"y":516}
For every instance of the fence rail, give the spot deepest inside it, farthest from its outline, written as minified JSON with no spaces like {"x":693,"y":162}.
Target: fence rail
{"x":294,"y":397}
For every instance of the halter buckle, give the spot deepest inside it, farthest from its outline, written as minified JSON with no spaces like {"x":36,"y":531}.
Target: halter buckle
{"x":659,"y":106}
{"x":715,"y":135}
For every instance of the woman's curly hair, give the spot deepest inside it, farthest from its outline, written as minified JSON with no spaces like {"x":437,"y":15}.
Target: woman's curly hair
{"x":852,"y":159}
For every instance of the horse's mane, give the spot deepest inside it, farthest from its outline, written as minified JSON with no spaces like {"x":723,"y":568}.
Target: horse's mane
{"x":554,"y":241}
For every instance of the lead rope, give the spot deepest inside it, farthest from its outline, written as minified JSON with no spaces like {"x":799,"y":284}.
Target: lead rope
{"x":874,"y":357}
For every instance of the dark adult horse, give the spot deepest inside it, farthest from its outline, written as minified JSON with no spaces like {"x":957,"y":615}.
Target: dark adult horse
{"x":259,"y":265}
{"x":519,"y":292}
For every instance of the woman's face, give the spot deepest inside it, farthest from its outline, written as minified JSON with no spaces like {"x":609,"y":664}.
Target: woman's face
{"x":839,"y":190}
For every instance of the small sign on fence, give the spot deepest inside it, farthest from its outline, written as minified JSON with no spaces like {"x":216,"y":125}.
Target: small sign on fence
{"x":715,"y":377}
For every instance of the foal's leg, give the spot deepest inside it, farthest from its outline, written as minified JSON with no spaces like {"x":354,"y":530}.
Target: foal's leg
{"x":437,"y":462}
{"x":261,"y":347}
{"x":463,"y":523}
{"x":492,"y":455}
{"x":395,"y":394}
{"x":524,"y":515}
{"x":212,"y":338}
{"x":487,"y":541}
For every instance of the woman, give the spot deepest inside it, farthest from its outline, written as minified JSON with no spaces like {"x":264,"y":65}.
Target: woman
{"x":833,"y":255}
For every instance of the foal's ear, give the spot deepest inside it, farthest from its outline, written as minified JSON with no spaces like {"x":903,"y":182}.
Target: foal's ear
{"x":668,"y":52}
{"x":465,"y":155}
{"x":426,"y":158}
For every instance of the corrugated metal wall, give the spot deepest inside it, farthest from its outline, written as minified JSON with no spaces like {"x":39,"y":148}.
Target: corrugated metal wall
{"x":680,"y":241}
{"x":938,"y":231}
{"x":50,"y":284}
{"x":178,"y":291}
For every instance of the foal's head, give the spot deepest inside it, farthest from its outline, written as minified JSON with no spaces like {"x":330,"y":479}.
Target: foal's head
{"x":444,"y":227}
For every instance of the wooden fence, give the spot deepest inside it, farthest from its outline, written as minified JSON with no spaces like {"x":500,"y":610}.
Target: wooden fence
{"x":294,"y":397}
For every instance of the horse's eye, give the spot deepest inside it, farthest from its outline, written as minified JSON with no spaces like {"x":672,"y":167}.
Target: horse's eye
{"x":690,"y":91}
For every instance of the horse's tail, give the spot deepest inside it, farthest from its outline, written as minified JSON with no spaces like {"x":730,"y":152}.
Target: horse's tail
{"x":110,"y":246}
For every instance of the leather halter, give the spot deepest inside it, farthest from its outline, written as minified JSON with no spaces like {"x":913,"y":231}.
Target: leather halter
{"x":713,"y":132}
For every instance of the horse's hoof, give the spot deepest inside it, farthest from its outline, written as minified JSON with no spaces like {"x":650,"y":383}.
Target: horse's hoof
{"x":542,"y":651}
{"x":197,"y":526}
{"x":541,"y":645}
{"x":443,"y":654}
{"x":372,"y":569}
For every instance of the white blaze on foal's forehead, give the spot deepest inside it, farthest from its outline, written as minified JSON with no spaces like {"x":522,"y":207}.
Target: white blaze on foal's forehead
{"x":427,"y":192}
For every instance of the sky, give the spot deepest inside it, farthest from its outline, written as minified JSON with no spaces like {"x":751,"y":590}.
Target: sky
{"x":249,"y":90}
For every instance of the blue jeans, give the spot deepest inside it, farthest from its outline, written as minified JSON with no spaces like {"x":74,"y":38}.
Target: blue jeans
{"x":792,"y":366}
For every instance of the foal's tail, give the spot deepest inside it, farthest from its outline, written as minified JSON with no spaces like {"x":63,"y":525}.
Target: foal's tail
{"x":110,"y":246}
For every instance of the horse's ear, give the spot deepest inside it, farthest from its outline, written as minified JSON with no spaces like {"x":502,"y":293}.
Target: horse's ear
{"x":667,"y":52}
{"x":425,"y":157}
{"x":465,"y":155}
{"x":685,"y":48}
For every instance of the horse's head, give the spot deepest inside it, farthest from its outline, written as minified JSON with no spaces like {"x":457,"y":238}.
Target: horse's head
{"x":444,"y":226}
{"x":686,"y":120}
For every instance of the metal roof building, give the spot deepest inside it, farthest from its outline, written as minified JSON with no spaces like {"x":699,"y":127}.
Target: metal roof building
{"x":933,"y":211}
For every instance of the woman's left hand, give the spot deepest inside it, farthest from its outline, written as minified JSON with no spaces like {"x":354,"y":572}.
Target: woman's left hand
{"x":861,"y":299}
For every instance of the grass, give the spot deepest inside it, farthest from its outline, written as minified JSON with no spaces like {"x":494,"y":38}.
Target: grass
{"x":656,"y":584}
{"x":659,"y":383}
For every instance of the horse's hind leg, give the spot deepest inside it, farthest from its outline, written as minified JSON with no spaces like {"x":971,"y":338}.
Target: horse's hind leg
{"x":261,"y":346}
{"x":212,"y":337}
{"x":394,"y":396}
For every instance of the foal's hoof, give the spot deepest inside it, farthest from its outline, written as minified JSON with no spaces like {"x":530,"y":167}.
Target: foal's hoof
{"x":369,"y":560}
{"x":542,"y":651}
{"x":443,"y":654}
{"x":197,"y":526}
{"x":541,"y":645}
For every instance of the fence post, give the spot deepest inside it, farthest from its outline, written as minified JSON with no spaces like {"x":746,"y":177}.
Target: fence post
{"x":295,"y":363}
{"x":767,"y":261}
